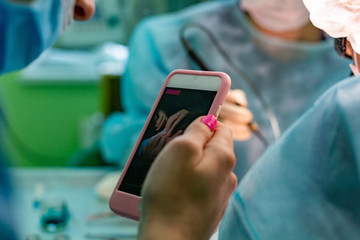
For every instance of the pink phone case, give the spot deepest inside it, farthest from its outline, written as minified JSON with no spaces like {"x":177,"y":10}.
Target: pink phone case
{"x":128,"y":205}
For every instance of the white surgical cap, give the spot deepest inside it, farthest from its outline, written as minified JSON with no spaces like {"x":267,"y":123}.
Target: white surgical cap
{"x":338,"y":18}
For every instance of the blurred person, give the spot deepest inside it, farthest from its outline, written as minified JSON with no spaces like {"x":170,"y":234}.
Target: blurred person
{"x":27,"y":28}
{"x":305,"y":186}
{"x":288,"y":60}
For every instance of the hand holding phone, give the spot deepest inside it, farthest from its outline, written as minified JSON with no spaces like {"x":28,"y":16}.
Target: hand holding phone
{"x":187,"y":189}
{"x":185,"y":96}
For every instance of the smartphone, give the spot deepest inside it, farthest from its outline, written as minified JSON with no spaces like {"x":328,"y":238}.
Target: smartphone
{"x":185,"y":95}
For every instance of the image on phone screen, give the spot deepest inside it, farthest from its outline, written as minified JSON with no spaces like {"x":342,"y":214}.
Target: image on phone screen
{"x":177,"y":108}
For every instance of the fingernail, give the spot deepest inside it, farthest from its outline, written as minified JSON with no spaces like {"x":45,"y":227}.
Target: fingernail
{"x":210,"y":121}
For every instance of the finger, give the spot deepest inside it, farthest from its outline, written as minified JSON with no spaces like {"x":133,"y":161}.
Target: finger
{"x":151,"y":144}
{"x":162,"y":141}
{"x":240,"y":132}
{"x":238,"y":97}
{"x":169,"y":124}
{"x":159,"y":146}
{"x":157,"y":125}
{"x":189,"y":146}
{"x":223,"y":136}
{"x":160,"y":123}
{"x":178,"y":133}
{"x":145,"y":149}
{"x":198,"y":132}
{"x":163,"y":122}
{"x":231,"y":112}
{"x":219,"y":152}
{"x":170,"y":132}
{"x":154,"y":141}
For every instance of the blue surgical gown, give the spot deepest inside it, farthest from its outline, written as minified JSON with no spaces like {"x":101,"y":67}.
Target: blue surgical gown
{"x":307,"y":185}
{"x":290,"y":75}
{"x":21,"y":43}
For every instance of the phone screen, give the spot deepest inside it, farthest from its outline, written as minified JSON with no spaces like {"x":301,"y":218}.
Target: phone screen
{"x":177,"y":108}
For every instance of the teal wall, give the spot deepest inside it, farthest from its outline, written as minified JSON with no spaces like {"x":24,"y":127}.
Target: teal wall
{"x":46,"y":117}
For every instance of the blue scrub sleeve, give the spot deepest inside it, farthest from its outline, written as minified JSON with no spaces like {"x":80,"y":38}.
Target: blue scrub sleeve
{"x":144,"y":76}
{"x":145,"y":72}
{"x":307,"y":185}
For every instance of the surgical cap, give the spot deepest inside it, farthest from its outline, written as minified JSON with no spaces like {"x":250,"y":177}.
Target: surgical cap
{"x":338,"y":18}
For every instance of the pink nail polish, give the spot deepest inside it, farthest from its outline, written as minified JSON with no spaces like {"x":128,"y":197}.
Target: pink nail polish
{"x":210,"y":121}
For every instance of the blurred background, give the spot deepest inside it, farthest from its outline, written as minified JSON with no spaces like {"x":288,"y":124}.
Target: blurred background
{"x":53,"y":113}
{"x":55,"y":107}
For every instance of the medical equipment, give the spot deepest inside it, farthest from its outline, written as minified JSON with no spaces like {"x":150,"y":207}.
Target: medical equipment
{"x":55,"y":215}
{"x":242,"y":74}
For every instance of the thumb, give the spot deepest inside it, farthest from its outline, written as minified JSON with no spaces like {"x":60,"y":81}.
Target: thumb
{"x":202,"y":129}
{"x":190,"y":145}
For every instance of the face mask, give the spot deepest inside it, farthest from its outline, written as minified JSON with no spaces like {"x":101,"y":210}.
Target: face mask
{"x":277,"y":15}
{"x":27,"y":29}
